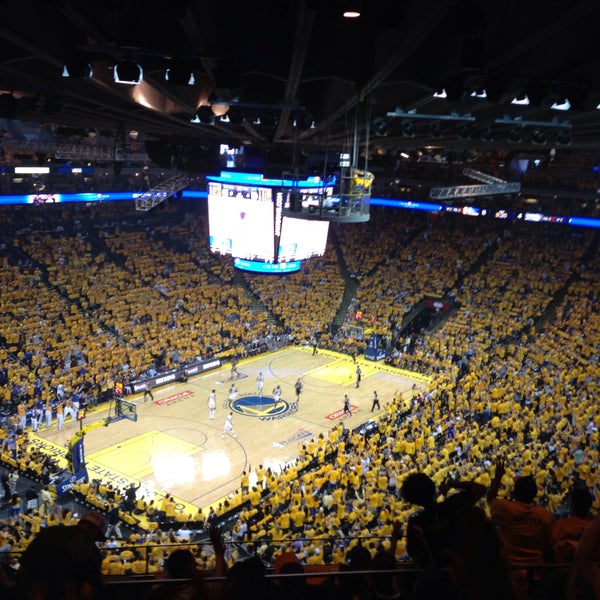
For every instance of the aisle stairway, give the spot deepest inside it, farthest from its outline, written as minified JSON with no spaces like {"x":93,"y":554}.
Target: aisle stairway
{"x":258,"y":306}
{"x":351,"y":284}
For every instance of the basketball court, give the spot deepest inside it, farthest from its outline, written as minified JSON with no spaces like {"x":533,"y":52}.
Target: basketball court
{"x":174,"y":448}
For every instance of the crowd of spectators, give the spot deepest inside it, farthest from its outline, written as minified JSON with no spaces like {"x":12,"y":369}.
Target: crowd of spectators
{"x":514,"y":370}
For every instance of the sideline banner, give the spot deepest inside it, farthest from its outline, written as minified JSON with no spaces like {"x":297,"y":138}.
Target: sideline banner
{"x":179,"y":374}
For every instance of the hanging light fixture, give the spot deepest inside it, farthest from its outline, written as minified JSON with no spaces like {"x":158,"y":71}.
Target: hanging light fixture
{"x":268,"y":119}
{"x":304,"y":121}
{"x":204,"y":115}
{"x":515,"y":135}
{"x":520,"y":100}
{"x":563,"y":137}
{"x":487,"y":133}
{"x":463,"y":131}
{"x":128,"y":71}
{"x":408,"y":129}
{"x":77,"y":69}
{"x":380,"y":126}
{"x":562,"y":104}
{"x":178,"y":73}
{"x":351,"y":10}
{"x":219,"y":109}
{"x":538,"y":137}
{"x":236,"y":115}
{"x":435,"y":129}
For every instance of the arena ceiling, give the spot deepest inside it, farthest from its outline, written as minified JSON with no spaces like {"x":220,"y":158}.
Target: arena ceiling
{"x":298,"y":77}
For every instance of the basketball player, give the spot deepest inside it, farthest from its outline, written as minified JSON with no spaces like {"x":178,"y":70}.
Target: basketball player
{"x":260,"y":382}
{"x":39,"y":411}
{"x":277,"y":394}
{"x":228,"y":427}
{"x":34,"y":420}
{"x":212,"y":405}
{"x":48,"y":410}
{"x":22,"y":413}
{"x":234,"y":369}
{"x":347,"y":409}
{"x":70,"y":409}
{"x":60,"y":414}
{"x":298,"y":388}
{"x":232,"y":392}
{"x":148,"y":392}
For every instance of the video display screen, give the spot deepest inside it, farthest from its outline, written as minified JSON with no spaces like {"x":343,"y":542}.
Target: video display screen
{"x":246,"y":222}
{"x":241,"y":222}
{"x":302,"y":238}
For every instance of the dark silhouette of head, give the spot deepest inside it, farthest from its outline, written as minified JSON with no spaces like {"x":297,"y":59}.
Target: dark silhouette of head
{"x":419,"y":489}
{"x":525,"y":489}
{"x":358,"y":557}
{"x":246,"y":580}
{"x":181,"y":564}
{"x":581,"y":502}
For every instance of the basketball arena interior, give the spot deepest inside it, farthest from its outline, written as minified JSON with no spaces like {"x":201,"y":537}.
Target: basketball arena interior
{"x":299,"y":297}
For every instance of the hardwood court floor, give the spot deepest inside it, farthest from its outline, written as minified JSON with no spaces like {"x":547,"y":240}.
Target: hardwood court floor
{"x":175,"y":448}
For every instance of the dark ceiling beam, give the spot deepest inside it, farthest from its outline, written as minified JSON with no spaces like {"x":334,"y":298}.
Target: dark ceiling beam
{"x":434,"y":12}
{"x":252,"y":131}
{"x":157,"y":83}
{"x":142,"y":115}
{"x":190,"y":26}
{"x":305,"y":21}
{"x":535,"y":37}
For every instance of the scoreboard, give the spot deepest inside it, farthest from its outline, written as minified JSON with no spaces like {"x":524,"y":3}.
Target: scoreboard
{"x":249,"y":220}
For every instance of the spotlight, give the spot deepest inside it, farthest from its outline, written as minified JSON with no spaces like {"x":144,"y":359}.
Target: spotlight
{"x":77,"y":69}
{"x":515,"y":135}
{"x":351,"y":10}
{"x":177,"y":73}
{"x":269,"y":119}
{"x":435,"y":129}
{"x":219,"y":109}
{"x":563,"y":137}
{"x":128,"y":71}
{"x":463,"y":131}
{"x":494,"y":88}
{"x":538,"y":137}
{"x":521,"y":100}
{"x":563,"y":104}
{"x":408,"y":129}
{"x":479,"y":93}
{"x":455,"y":88}
{"x":304,"y":121}
{"x":536,"y":92}
{"x":205,"y":115}
{"x":236,"y":116}
{"x":380,"y":126}
{"x":219,"y":104}
{"x":487,"y":133}
{"x":578,"y":96}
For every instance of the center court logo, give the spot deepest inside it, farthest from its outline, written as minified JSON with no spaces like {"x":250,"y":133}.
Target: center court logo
{"x":266,"y":408}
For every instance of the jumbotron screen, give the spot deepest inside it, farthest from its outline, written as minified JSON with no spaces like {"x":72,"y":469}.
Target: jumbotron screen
{"x":246,"y":221}
{"x":240,"y":221}
{"x":301,"y":238}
